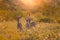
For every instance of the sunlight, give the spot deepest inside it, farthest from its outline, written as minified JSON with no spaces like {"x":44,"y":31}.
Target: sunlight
{"x":28,"y":4}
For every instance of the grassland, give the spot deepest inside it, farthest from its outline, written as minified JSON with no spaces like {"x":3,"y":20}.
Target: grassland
{"x":42,"y":31}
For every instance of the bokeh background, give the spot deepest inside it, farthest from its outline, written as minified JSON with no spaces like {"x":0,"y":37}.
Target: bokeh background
{"x":45,"y":14}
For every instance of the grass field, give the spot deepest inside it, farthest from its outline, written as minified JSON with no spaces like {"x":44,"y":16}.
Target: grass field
{"x":42,"y":31}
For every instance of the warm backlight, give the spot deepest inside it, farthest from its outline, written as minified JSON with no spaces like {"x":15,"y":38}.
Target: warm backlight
{"x":28,"y":4}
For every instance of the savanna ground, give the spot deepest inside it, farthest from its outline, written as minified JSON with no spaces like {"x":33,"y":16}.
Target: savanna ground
{"x":42,"y":31}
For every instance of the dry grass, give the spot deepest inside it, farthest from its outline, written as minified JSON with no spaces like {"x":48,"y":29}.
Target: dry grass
{"x":9,"y":31}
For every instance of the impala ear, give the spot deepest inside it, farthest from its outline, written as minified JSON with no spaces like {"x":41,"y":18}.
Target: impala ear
{"x":17,"y":17}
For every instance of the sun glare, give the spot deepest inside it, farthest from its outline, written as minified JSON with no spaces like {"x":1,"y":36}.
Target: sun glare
{"x":28,"y":4}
